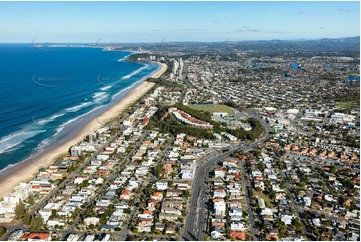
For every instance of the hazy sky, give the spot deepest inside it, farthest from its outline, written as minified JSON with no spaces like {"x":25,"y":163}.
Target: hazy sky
{"x":176,"y":21}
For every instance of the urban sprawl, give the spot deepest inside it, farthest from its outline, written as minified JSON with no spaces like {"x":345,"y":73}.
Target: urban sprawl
{"x":230,"y":144}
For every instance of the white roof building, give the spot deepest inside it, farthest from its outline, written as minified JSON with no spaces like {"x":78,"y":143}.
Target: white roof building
{"x":161,"y":185}
{"x":91,"y":220}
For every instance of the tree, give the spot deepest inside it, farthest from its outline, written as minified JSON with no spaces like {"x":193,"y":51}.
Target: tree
{"x":282,"y":230}
{"x":258,"y":189}
{"x":333,"y":169}
{"x":272,"y":195}
{"x":348,"y":183}
{"x":2,"y":231}
{"x":31,"y":199}
{"x":20,"y":210}
{"x":297,"y":223}
{"x":235,"y":155}
{"x":316,"y":232}
{"x":36,"y":223}
{"x":257,"y":153}
{"x":85,"y":183}
{"x":341,"y":200}
{"x":186,"y":194}
{"x":158,"y":170}
{"x":27,"y":218}
{"x":53,"y":213}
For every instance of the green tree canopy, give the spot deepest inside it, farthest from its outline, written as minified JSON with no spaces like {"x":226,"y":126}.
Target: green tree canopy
{"x":20,"y":210}
{"x":31,"y":199}
{"x":36,"y":224}
{"x":27,"y":218}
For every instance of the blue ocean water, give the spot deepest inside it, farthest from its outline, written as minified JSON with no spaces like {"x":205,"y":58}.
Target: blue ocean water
{"x":47,"y":94}
{"x":353,"y":78}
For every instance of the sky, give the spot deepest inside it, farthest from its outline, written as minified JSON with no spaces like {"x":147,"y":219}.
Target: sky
{"x":61,"y":22}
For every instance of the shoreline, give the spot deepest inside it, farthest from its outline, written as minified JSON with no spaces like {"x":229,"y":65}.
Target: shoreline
{"x":27,"y":169}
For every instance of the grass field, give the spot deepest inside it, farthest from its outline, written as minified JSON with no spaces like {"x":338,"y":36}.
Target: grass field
{"x":214,"y":108}
{"x":350,"y":104}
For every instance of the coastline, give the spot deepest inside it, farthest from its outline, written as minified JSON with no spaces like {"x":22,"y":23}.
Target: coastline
{"x":163,"y":67}
{"x":27,"y":169}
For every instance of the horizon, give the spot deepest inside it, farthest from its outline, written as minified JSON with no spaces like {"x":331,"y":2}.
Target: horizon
{"x":185,"y":41}
{"x":152,"y":22}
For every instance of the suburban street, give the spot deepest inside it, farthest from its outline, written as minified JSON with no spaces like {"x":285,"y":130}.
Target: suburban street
{"x":194,"y":226}
{"x":247,"y":186}
{"x":298,"y":209}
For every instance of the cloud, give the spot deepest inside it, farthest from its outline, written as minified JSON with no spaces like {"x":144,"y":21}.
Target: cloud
{"x":247,"y":29}
{"x":253,"y":30}
{"x":179,"y":30}
{"x":344,"y":10}
{"x":320,"y":28}
{"x":302,"y":13}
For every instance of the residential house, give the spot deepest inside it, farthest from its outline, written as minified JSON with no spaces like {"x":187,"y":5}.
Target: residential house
{"x":36,"y":236}
{"x":157,"y":196}
{"x":219,"y":206}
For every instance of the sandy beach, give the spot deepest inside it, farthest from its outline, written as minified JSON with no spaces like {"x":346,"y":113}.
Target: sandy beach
{"x":161,"y":70}
{"x":25,"y":171}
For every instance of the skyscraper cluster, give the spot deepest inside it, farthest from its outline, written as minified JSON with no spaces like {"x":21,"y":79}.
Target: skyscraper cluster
{"x":178,"y":68}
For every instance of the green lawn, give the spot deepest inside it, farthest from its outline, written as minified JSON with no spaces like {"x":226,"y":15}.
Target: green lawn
{"x":266,"y":198}
{"x":349,"y":104}
{"x":213,"y":108}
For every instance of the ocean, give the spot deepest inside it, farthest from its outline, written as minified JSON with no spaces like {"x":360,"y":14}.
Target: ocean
{"x":48,"y":93}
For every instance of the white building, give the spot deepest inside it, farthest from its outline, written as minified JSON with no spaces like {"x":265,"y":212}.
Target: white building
{"x":11,"y":199}
{"x":73,"y":237}
{"x":219,"y":173}
{"x":187,"y":174}
{"x":219,"y":207}
{"x":175,"y":67}
{"x":83,"y":147}
{"x":287,"y":219}
{"x":238,"y":226}
{"x":91,"y":221}
{"x":219,"y":193}
{"x":293,"y":111}
{"x":218,"y":136}
{"x":235,"y":212}
{"x":181,"y":64}
{"x":45,"y":214}
{"x":161,"y":185}
{"x":23,"y":190}
{"x":53,"y":223}
{"x":229,"y":136}
{"x":89,"y":237}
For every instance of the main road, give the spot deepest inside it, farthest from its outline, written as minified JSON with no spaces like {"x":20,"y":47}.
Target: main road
{"x":196,"y":218}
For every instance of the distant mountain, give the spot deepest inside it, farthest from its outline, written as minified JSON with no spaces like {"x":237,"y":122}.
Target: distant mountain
{"x":340,"y":44}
